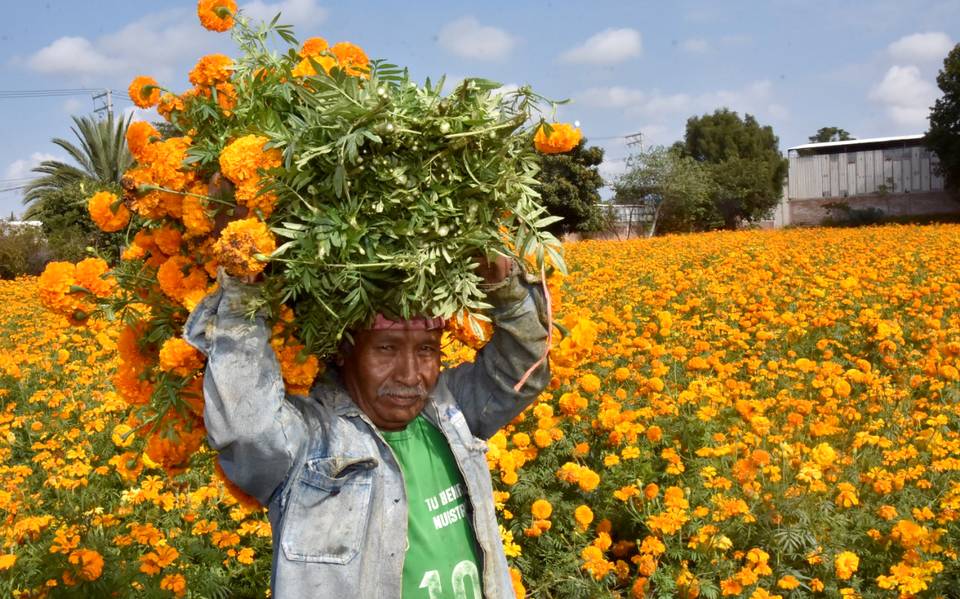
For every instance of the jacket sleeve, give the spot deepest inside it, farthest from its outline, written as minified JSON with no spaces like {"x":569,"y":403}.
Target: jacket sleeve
{"x":248,"y":419}
{"x":483,"y":389}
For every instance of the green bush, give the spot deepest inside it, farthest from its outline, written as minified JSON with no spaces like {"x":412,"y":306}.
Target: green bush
{"x":23,"y":250}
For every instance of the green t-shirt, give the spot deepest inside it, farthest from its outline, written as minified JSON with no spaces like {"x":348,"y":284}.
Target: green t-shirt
{"x":442,"y":559}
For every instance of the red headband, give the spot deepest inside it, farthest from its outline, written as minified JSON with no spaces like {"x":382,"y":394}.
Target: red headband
{"x":418,"y":323}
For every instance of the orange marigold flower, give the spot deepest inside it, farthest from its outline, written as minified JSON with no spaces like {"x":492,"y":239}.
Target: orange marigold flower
{"x":175,"y":583}
{"x":313,"y":46}
{"x":140,"y":134}
{"x":239,"y":245}
{"x":352,"y":59}
{"x":541,"y":509}
{"x":90,"y":563}
{"x":179,"y":357}
{"x":584,"y":516}
{"x":590,"y":383}
{"x":241,"y":158}
{"x":90,"y":273}
{"x":144,"y":91}
{"x":56,"y":289}
{"x":226,"y":97}
{"x":217,"y":15}
{"x":168,"y":104}
{"x":194,"y":215}
{"x":562,"y":138}
{"x":211,"y":70}
{"x":305,"y":68}
{"x":168,"y":239}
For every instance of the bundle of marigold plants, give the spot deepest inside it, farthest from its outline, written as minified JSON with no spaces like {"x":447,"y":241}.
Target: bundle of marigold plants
{"x":347,"y":188}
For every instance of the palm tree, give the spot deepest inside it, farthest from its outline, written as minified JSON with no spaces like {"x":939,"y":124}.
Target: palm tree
{"x":101,"y":159}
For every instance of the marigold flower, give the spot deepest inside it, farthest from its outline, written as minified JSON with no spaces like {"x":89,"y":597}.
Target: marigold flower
{"x":846,"y":563}
{"x":179,"y":357}
{"x":562,"y":138}
{"x":590,"y":382}
{"x":175,"y":583}
{"x":352,"y":59}
{"x":211,"y":70}
{"x":90,"y":563}
{"x":239,"y":245}
{"x":217,"y":15}
{"x":541,"y":509}
{"x":7,"y":561}
{"x":140,"y":134}
{"x":313,"y":46}
{"x":144,"y":91}
{"x":583,"y":516}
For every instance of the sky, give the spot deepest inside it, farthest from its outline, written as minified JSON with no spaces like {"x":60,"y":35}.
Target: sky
{"x":626,"y":67}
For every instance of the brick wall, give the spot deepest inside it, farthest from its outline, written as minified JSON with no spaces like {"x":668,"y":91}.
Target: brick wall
{"x":812,"y":212}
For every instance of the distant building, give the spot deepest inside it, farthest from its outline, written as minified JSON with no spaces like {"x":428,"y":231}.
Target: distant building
{"x":895,"y":175}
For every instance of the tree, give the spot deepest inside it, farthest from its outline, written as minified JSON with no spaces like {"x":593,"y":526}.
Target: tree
{"x":827,"y":134}
{"x":679,"y":187}
{"x":744,"y":161}
{"x":102,"y":157}
{"x":943,"y":137}
{"x":58,"y":198}
{"x":570,"y":185}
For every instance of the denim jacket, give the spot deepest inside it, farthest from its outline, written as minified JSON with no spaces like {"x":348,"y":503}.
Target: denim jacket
{"x":333,"y":487}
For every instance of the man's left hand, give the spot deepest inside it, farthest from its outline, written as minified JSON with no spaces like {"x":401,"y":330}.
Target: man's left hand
{"x":494,"y":271}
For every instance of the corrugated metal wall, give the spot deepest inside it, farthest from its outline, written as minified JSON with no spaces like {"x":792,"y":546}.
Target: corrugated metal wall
{"x":844,"y":174}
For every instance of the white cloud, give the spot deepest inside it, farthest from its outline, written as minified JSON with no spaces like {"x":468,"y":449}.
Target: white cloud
{"x":68,"y":55}
{"x":906,"y":95}
{"x":921,"y":47}
{"x":21,"y":168}
{"x":161,"y":44}
{"x":466,"y":37}
{"x":73,"y":106}
{"x":756,"y":98}
{"x":695,"y":45}
{"x":607,"y":47}
{"x":299,"y":12}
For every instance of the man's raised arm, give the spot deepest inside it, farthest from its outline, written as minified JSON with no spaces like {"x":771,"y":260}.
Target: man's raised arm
{"x":247,"y":418}
{"x":485,"y":388}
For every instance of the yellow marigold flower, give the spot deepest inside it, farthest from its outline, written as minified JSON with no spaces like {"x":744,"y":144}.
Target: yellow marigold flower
{"x":179,"y":357}
{"x":541,"y":509}
{"x":90,"y":563}
{"x":211,"y":70}
{"x":846,"y":563}
{"x":217,"y":15}
{"x":824,"y":455}
{"x":140,"y":134}
{"x":7,"y":560}
{"x":121,"y":435}
{"x":108,"y":212}
{"x":239,"y":244}
{"x":562,"y":138}
{"x":788,"y":582}
{"x":305,"y":68}
{"x":144,"y":91}
{"x":847,"y":496}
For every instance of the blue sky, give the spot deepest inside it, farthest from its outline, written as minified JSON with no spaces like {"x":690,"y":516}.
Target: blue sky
{"x":628,"y":67}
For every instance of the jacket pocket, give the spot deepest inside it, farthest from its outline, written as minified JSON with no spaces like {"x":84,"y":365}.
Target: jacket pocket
{"x":328,"y":509}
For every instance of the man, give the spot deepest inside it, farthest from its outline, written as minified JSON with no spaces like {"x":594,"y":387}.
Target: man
{"x":377,"y":484}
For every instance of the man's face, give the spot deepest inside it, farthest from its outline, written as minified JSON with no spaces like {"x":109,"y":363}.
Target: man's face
{"x":389,"y":373}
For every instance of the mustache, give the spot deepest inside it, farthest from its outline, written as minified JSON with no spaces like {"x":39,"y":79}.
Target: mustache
{"x":406,"y":391}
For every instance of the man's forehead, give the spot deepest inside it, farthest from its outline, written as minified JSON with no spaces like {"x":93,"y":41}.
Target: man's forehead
{"x":402,"y":335}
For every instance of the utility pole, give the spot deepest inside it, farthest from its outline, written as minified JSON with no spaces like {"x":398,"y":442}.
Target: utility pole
{"x":635,"y":140}
{"x":107,"y":107}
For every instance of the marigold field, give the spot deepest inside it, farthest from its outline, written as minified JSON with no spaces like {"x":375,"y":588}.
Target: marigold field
{"x":756,"y":414}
